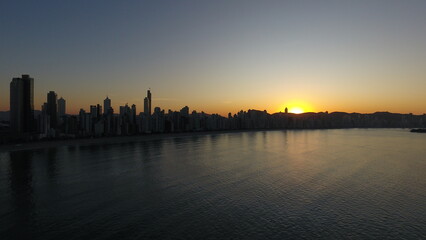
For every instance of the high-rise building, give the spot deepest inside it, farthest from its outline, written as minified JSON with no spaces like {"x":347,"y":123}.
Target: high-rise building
{"x":146,"y":106}
{"x":44,"y":124}
{"x":61,"y":107}
{"x":185,"y":111}
{"x":133,"y":114}
{"x":99,"y":110}
{"x":52,"y":108}
{"x":124,"y":110}
{"x":149,"y":101}
{"x":93,"y":111}
{"x":22,"y":105}
{"x":107,"y":105}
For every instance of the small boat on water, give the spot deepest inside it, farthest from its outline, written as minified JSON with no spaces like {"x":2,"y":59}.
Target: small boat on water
{"x":418,"y":130}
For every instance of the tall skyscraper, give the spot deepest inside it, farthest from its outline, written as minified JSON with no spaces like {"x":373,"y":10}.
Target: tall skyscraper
{"x":22,"y":105}
{"x":107,"y":105}
{"x":133,"y":114}
{"x":99,"y":110}
{"x":52,"y":108}
{"x":146,"y":106}
{"x":61,"y":107}
{"x":149,"y":101}
{"x":93,"y":111}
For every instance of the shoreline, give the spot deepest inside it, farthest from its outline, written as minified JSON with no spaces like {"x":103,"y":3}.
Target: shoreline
{"x":110,"y":140}
{"x":128,"y":139}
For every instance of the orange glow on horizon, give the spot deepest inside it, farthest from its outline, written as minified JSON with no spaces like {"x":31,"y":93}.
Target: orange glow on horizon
{"x":296,"y":110}
{"x":296,"y":107}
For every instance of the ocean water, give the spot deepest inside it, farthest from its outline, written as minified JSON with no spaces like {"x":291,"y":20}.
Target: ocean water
{"x":307,"y":184}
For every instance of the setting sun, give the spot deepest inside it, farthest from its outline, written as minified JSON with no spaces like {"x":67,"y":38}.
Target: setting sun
{"x":296,"y":107}
{"x":296,"y":110}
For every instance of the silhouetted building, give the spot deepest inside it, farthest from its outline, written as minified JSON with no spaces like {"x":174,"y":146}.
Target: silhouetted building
{"x":98,"y":110}
{"x":22,"y":105}
{"x":52,"y":121}
{"x":185,"y":111}
{"x":125,"y":119}
{"x":95,"y":112}
{"x":133,"y":114}
{"x":43,"y":122}
{"x":149,"y":101}
{"x":146,"y":106}
{"x":146,"y":119}
{"x":107,"y":105}
{"x":52,"y":108}
{"x":61,"y":107}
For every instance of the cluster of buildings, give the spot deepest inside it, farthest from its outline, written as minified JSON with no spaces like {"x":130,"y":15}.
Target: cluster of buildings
{"x":102,"y":120}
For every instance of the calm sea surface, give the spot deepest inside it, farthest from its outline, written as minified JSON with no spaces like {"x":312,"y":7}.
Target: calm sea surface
{"x":309,"y":184}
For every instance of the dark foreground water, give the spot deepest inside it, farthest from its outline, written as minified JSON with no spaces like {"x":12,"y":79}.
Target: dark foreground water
{"x":356,"y":184}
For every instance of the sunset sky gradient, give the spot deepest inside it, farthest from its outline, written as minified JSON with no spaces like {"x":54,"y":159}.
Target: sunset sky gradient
{"x":219,"y":56}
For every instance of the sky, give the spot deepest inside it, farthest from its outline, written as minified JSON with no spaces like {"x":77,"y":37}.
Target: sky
{"x":219,"y":56}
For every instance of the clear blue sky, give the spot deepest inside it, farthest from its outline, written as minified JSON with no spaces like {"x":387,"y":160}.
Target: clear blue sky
{"x":220,"y":56}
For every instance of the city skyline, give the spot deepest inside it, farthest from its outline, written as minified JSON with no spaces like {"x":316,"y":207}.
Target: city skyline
{"x":56,"y":107}
{"x":52,"y":122}
{"x":293,"y":106}
{"x":220,"y":56}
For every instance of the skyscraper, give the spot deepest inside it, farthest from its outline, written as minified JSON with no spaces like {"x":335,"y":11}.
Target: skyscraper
{"x":98,"y":110}
{"x":185,"y":111}
{"x":93,"y":111}
{"x":146,"y":106}
{"x":107,"y":105}
{"x":22,"y":105}
{"x":61,"y":107}
{"x":149,"y":101}
{"x":52,"y":108}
